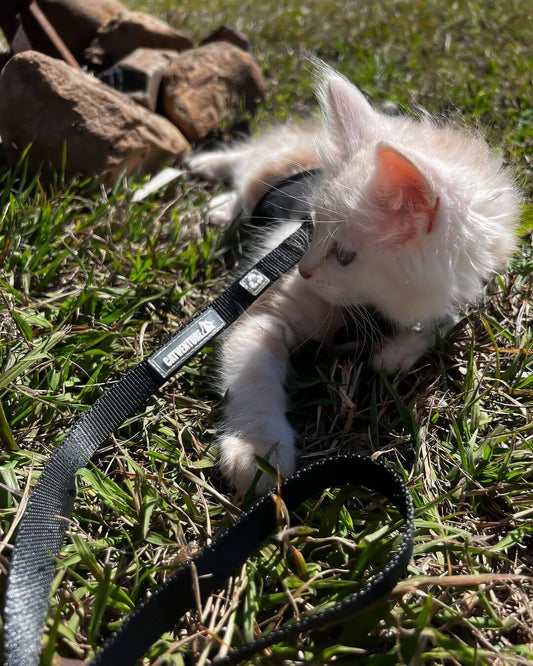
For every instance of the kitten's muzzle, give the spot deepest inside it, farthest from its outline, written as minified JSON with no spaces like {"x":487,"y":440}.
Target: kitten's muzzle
{"x":303,"y":273}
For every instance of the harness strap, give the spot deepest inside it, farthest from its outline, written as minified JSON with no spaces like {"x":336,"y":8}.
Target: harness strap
{"x":45,"y":520}
{"x":217,"y":562}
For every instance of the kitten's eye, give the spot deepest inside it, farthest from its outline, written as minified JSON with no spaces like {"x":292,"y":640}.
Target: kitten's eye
{"x":344,"y":256}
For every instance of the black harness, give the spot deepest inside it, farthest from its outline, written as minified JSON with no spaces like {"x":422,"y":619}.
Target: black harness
{"x":287,"y":199}
{"x":45,"y":519}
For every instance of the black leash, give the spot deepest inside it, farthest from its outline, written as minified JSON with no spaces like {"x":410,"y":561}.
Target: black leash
{"x":217,"y":562}
{"x":44,"y":523}
{"x":45,"y":520}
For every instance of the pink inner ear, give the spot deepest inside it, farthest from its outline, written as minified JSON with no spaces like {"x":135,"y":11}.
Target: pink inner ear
{"x":411,"y":204}
{"x":399,"y":181}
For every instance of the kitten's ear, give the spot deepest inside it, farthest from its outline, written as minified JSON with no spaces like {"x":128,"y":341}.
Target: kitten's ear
{"x":348,"y":116}
{"x":405,"y":191}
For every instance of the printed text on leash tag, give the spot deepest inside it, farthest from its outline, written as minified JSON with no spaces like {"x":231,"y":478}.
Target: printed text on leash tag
{"x":193,"y":337}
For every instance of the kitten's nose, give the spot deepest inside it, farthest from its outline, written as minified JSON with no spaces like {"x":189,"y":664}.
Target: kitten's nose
{"x":310,"y":261}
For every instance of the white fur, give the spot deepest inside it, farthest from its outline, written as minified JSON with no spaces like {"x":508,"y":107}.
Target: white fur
{"x":430,"y":213}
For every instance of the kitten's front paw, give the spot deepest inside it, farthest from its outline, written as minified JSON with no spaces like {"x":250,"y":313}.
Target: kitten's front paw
{"x":202,"y":165}
{"x":401,"y":352}
{"x":213,"y":165}
{"x":238,"y":461}
{"x":223,"y":209}
{"x":392,"y":360}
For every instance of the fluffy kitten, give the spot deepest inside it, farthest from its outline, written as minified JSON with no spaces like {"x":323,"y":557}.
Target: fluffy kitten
{"x":409,"y":217}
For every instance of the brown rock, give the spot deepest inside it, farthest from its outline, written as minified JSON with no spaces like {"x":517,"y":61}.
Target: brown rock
{"x":45,"y":102}
{"x":76,"y":21}
{"x":20,"y":41}
{"x":209,"y":85}
{"x":131,"y":30}
{"x":226,"y":33}
{"x":139,"y":74}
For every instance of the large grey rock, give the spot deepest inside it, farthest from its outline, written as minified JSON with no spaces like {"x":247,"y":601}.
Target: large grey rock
{"x":76,"y":22}
{"x":45,"y":102}
{"x":132,"y":30}
{"x":209,"y":85}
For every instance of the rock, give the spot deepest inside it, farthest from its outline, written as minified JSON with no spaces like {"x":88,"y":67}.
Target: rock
{"x":20,"y":41}
{"x":139,"y":75}
{"x":129,"y":31}
{"x":209,"y":85}
{"x":45,"y":102}
{"x":228,"y":34}
{"x":76,"y":22}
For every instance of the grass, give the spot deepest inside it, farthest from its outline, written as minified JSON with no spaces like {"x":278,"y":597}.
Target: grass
{"x":91,"y":282}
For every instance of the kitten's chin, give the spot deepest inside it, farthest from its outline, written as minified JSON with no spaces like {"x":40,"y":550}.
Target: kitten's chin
{"x":339,"y":300}
{"x":329,"y":295}
{"x":329,"y":299}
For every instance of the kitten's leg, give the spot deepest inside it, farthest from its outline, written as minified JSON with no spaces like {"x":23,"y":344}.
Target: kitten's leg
{"x":403,"y":350}
{"x":254,"y":166}
{"x":220,"y":165}
{"x":217,"y":164}
{"x":254,"y":366}
{"x":255,"y":359}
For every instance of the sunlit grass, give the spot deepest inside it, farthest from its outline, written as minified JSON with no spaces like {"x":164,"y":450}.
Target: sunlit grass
{"x":91,"y":282}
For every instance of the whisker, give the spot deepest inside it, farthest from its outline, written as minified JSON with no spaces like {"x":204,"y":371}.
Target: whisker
{"x":323,"y":324}
{"x":365,"y":324}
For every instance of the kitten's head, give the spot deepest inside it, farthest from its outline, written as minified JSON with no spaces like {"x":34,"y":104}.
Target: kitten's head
{"x":410,"y":217}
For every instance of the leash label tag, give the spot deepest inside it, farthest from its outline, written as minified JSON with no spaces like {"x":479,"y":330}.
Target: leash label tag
{"x":186,"y":343}
{"x":254,"y":282}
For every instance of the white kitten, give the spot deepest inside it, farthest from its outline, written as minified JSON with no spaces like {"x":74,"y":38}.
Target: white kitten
{"x":410,"y":218}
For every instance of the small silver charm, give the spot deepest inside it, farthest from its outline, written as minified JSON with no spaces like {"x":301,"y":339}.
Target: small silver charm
{"x":254,"y":281}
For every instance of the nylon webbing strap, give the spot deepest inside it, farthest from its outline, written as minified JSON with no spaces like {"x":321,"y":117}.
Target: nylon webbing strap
{"x":46,"y":517}
{"x":217,"y":562}
{"x":45,"y":520}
